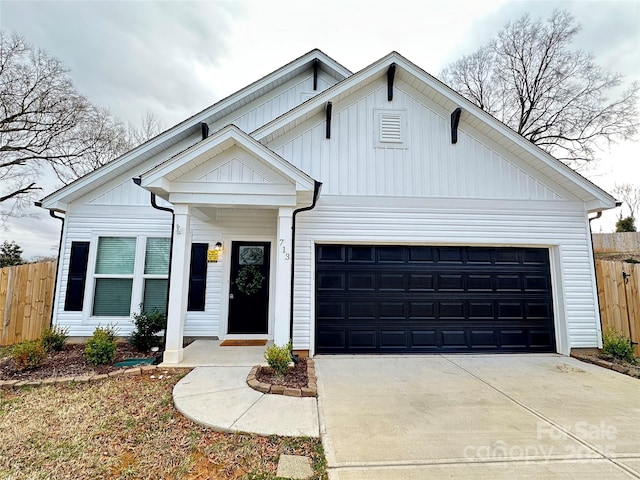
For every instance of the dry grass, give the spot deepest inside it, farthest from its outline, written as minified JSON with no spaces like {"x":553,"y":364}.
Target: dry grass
{"x":127,"y":428}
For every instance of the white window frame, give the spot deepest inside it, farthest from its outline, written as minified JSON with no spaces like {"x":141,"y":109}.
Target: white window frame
{"x":138,"y":276}
{"x":152,"y":276}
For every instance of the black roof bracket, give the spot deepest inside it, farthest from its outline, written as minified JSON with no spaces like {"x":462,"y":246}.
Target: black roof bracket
{"x":327,"y":110}
{"x":455,"y":120}
{"x":316,"y":64}
{"x":205,"y":130}
{"x":391,"y":73}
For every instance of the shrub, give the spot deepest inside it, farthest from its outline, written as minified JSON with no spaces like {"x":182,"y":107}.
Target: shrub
{"x":54,"y":338}
{"x":627,"y":224}
{"x":617,"y":345}
{"x":28,"y":355}
{"x":278,"y":358}
{"x":101,"y":347}
{"x":147,"y":324}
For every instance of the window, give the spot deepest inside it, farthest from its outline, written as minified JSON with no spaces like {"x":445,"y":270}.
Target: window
{"x":130,"y":271}
{"x":156,"y":272}
{"x":115,"y":263}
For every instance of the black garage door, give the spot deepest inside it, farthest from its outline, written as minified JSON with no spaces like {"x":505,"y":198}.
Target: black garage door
{"x":410,"y":299}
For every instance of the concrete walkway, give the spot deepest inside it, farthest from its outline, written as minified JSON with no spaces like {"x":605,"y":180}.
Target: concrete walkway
{"x":218,"y":396}
{"x":484,"y":417}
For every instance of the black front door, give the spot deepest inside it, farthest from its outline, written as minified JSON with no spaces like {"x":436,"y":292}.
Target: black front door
{"x":249,"y":287}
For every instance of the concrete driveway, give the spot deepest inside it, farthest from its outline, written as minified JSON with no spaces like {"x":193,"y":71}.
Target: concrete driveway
{"x":483,"y":417}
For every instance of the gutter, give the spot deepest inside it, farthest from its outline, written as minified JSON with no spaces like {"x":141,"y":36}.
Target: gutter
{"x":593,"y":256}
{"x":316,"y":193}
{"x":593,"y":259}
{"x":138,"y":181}
{"x":52,"y":213}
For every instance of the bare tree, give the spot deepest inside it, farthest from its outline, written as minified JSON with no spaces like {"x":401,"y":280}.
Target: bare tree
{"x":47,"y":126}
{"x":44,"y":121}
{"x":149,"y":127}
{"x":629,"y":194}
{"x":558,"y":98}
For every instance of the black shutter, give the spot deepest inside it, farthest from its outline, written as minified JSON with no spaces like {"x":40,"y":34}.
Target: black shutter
{"x":77,"y":279}
{"x":197,"y":277}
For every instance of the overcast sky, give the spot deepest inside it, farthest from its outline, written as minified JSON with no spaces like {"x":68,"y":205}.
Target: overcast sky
{"x":176,"y":58}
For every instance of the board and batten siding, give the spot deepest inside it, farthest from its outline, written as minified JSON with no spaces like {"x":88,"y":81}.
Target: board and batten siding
{"x":282,"y":99}
{"x":350,"y":163}
{"x":121,"y":190}
{"x":562,"y":228}
{"x":87,"y":223}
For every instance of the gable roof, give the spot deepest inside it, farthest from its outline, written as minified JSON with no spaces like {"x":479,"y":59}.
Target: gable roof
{"x":59,"y":199}
{"x":184,"y":162}
{"x":595,"y":198}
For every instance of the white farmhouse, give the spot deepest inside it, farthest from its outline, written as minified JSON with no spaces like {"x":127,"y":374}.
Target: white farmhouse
{"x":368,"y":212}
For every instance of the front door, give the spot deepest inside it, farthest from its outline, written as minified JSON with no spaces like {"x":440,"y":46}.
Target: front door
{"x":249,"y":288}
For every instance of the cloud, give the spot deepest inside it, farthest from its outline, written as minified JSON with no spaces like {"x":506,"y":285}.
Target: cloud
{"x":133,"y":57}
{"x":610,"y":30}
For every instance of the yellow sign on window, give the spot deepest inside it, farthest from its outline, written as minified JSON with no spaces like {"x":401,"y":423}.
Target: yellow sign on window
{"x":212,"y":256}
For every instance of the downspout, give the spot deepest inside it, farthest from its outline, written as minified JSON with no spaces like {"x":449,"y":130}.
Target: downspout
{"x":625,"y":279}
{"x":593,"y":254}
{"x":316,"y":193}
{"x":593,"y":259}
{"x":138,"y":181}
{"x":52,"y":213}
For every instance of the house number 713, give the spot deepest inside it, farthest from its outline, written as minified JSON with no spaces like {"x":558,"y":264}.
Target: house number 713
{"x":284,"y":250}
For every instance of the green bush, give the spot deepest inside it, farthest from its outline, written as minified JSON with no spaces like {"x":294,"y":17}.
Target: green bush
{"x":147,"y":324}
{"x":278,"y":358}
{"x":28,"y":355}
{"x":627,"y":224}
{"x":617,"y":345}
{"x":54,"y":338}
{"x":101,"y":347}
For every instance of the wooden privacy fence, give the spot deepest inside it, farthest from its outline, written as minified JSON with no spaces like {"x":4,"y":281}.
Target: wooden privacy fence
{"x":619,"y":294}
{"x":616,"y":242}
{"x":26,"y":298}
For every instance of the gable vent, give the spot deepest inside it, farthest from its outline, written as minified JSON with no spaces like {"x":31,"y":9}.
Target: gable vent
{"x":391,"y":127}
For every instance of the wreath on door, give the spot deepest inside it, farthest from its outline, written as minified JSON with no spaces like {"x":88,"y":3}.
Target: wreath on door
{"x":249,"y":279}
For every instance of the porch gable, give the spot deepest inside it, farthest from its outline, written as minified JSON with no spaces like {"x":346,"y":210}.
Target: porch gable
{"x":229,"y":169}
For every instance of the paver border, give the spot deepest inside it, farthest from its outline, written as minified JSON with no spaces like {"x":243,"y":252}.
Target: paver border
{"x":631,"y":371}
{"x":8,"y":384}
{"x":311,"y":390}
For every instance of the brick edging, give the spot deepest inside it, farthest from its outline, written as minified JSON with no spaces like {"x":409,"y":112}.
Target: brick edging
{"x":311,"y":390}
{"x":85,"y":378}
{"x":633,"y":371}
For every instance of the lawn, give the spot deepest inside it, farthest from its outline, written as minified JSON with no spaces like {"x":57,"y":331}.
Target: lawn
{"x":127,"y":428}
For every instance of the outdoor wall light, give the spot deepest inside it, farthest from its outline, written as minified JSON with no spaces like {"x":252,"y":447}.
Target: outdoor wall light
{"x":218,"y":247}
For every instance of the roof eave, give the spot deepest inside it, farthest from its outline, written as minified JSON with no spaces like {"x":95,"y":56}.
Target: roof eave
{"x":189,"y":126}
{"x":153,"y":178}
{"x":266,"y":133}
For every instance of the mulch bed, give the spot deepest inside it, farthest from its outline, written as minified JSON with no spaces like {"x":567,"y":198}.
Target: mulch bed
{"x":609,"y":362}
{"x":296,"y":377}
{"x":69,"y":362}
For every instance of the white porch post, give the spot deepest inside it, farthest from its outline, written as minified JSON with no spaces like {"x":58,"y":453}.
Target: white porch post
{"x":179,"y":285}
{"x":281,"y":333}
